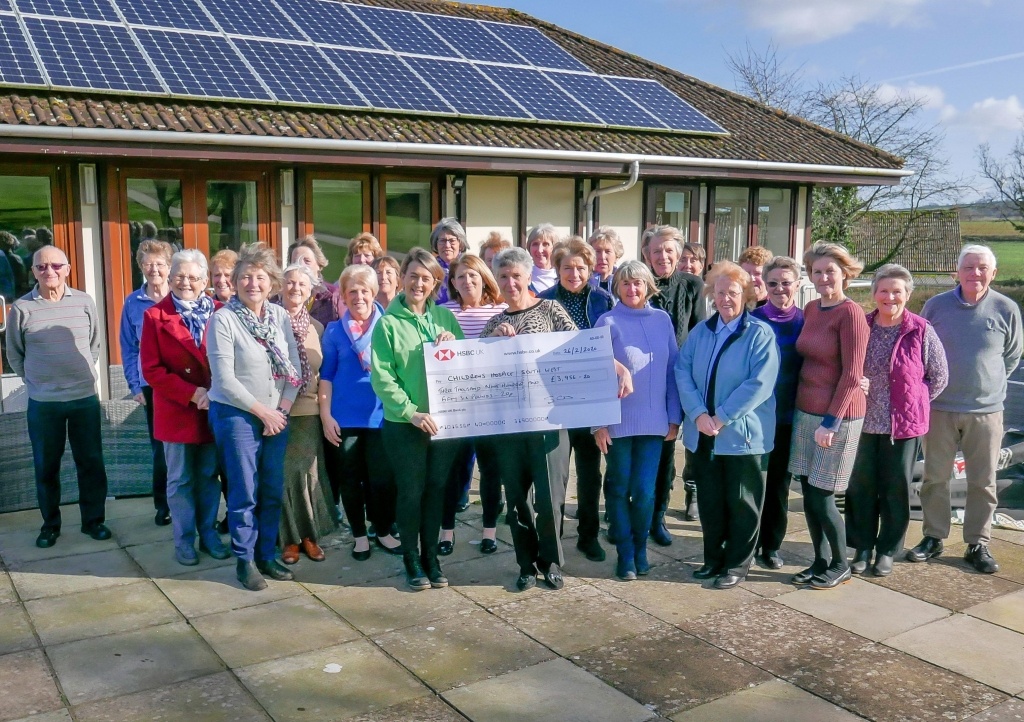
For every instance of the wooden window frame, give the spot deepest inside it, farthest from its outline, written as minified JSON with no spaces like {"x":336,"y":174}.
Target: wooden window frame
{"x":305,"y":223}
{"x":651,"y":189}
{"x":437,"y":187}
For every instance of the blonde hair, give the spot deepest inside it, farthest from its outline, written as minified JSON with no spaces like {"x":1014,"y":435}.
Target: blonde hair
{"x":259,"y":255}
{"x":491,"y":293}
{"x":359,"y":273}
{"x":363,"y":242}
{"x":312,"y":244}
{"x":574,"y":247}
{"x":735,"y":274}
{"x":226,"y":257}
{"x":850,"y":266}
{"x":607,"y":234}
{"x":755,"y":256}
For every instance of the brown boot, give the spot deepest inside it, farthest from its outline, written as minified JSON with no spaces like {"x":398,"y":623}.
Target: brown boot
{"x":312,"y":550}
{"x":290,"y":555}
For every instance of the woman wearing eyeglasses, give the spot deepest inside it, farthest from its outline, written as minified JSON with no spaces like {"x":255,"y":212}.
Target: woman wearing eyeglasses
{"x":782,"y":276}
{"x":448,"y":242}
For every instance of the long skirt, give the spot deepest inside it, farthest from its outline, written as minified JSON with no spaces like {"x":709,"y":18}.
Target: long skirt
{"x":306,"y":508}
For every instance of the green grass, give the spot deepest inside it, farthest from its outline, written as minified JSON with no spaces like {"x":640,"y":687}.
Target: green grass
{"x":987,"y":228}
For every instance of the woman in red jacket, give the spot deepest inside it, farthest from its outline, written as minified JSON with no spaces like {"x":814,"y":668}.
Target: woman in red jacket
{"x":174,"y":364}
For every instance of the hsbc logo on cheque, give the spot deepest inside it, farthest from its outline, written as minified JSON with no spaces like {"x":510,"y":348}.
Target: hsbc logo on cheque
{"x":444,"y":354}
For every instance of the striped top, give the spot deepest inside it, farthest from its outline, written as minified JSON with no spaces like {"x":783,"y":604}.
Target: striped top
{"x":54,"y":345}
{"x":473,"y":320}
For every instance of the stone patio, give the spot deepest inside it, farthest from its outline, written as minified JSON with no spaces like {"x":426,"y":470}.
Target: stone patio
{"x":119,"y":631}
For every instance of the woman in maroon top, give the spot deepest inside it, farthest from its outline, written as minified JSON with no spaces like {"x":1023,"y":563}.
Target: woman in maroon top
{"x":830,"y":407}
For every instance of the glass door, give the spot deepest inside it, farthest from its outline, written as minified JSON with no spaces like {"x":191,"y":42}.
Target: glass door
{"x":409,"y":208}
{"x":731,"y":204}
{"x":339,"y":208}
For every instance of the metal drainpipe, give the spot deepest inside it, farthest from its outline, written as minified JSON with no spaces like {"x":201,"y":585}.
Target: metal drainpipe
{"x":634,"y":174}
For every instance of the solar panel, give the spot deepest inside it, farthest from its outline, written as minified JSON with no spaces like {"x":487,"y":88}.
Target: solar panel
{"x":604,"y":100}
{"x":402,"y":31}
{"x":175,"y":14}
{"x":466,"y":88}
{"x":17,"y":65}
{"x":536,"y":47}
{"x":5,"y":5}
{"x":673,"y":110}
{"x":203,"y":65}
{"x":386,"y":81}
{"x":83,"y":55}
{"x":330,"y":23}
{"x":472,"y":40}
{"x":299,"y":73}
{"x":257,"y":18}
{"x":81,"y":9}
{"x":538,"y":95}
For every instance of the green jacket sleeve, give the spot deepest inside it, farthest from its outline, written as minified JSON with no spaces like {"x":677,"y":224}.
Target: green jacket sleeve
{"x":384,"y":374}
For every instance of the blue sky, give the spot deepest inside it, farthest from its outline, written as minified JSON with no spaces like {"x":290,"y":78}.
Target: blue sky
{"x":944,"y":51}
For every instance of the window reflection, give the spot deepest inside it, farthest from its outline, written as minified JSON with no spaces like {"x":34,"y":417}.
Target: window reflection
{"x":337,"y":217}
{"x":154,"y":213}
{"x":408,"y":215}
{"x":672,"y":208}
{"x":231,"y":210}
{"x":730,"y":222}
{"x":773,"y":219}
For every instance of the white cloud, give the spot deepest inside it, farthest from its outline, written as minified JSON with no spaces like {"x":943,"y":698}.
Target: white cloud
{"x":989,"y":117}
{"x":810,"y":21}
{"x":931,"y":97}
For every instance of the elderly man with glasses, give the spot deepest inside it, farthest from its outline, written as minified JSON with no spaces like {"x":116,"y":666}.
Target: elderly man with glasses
{"x":53,"y":343}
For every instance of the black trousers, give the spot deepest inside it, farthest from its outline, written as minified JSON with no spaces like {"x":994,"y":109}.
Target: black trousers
{"x":159,"y":463}
{"x":539,"y":460}
{"x":365,"y":482}
{"x":486,"y":455}
{"x":730,"y":492}
{"x":689,"y":482}
{"x":588,"y":482}
{"x":878,"y":500}
{"x":665,"y":480}
{"x":459,"y":481}
{"x":421,"y":469}
{"x":774,"y":516}
{"x":50,"y":424}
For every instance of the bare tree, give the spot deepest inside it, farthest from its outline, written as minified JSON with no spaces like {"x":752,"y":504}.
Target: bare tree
{"x":765,"y":78}
{"x":1007,"y":177}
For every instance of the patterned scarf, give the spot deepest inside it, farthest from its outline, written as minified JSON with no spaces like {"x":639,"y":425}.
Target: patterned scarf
{"x":195,"y":315}
{"x":266,"y":336}
{"x":300,"y":327}
{"x":361,"y":340}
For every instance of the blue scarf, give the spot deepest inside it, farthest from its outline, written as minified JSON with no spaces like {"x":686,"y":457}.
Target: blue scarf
{"x":361,"y":341}
{"x":195,"y":315}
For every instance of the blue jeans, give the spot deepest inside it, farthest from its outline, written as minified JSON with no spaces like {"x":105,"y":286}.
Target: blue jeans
{"x":630,"y":476}
{"x":193,"y":492}
{"x":254,"y":465}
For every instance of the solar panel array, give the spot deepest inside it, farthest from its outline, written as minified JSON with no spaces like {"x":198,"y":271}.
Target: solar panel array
{"x":323,"y":52}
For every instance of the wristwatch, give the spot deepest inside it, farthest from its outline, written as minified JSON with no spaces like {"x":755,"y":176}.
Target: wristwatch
{"x":286,"y":413}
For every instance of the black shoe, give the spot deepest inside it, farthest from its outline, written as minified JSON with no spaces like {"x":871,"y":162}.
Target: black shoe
{"x":526,"y":580}
{"x":860,"y":562}
{"x":728,"y":581}
{"x":249,"y":576}
{"x":979,"y":557}
{"x":414,"y":574}
{"x":218,"y":552}
{"x":397,"y":550}
{"x":692,"y":513}
{"x":488,"y":546}
{"x":659,"y":532}
{"x":97,"y":531}
{"x":553,"y":577}
{"x":707,"y":571}
{"x":805,"y":576}
{"x":222,"y":526}
{"x":591,"y":549}
{"x":361,"y":556}
{"x":47,"y":538}
{"x":929,"y":548}
{"x":437,"y":578}
{"x":883,"y":565}
{"x":162,"y":518}
{"x":771,"y":560}
{"x":831,"y":579}
{"x":273,"y":569}
{"x":445,"y":548}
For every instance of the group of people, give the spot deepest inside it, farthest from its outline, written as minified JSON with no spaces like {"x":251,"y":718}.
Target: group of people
{"x":293,"y":396}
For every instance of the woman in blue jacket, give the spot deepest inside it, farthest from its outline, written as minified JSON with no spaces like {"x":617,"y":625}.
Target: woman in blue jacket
{"x":726,"y":373}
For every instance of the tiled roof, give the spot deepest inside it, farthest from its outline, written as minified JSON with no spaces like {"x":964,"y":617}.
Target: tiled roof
{"x":756,"y":132}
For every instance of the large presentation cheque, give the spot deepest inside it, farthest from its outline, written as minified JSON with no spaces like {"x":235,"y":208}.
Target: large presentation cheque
{"x":535,"y":382}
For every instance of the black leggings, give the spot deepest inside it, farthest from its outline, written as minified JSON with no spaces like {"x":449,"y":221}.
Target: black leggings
{"x":826,"y":527}
{"x":360,"y":471}
{"x":462,"y":473}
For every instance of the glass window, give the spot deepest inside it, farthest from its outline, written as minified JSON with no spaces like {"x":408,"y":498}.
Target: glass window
{"x":672,"y":208}
{"x":773,"y":207}
{"x":408,"y":215}
{"x":154,"y":213}
{"x":26,"y":224}
{"x":730,"y":222}
{"x":337,"y":217}
{"x":231,"y":211}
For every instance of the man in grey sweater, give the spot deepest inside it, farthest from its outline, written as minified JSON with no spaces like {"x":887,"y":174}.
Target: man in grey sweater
{"x":980,"y":330}
{"x":53,"y":343}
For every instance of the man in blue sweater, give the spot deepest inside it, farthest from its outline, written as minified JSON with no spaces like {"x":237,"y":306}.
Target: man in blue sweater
{"x":980,"y":330}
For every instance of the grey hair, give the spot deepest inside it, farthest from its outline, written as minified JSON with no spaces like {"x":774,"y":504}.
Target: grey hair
{"x":784,"y":263}
{"x":670,"y":232}
{"x":513,"y":257}
{"x":190,"y":255}
{"x":609,"y":234}
{"x":635,"y":270}
{"x":450,"y":225}
{"x":313,"y":282}
{"x":977,"y":249}
{"x":894,"y":271}
{"x":35,"y":256}
{"x":542,"y":230}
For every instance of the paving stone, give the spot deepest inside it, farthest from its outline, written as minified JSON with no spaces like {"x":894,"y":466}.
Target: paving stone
{"x":993,"y":655}
{"x":340,"y":569}
{"x":130,"y":506}
{"x":31,"y":519}
{"x":422,"y":709}
{"x":26,"y":686}
{"x":215,"y":698}
{"x":770,"y":583}
{"x":775,"y":701}
{"x":298,"y":688}
{"x":374,"y":609}
{"x":15,"y":630}
{"x":491,"y":580}
{"x":1011,"y":710}
{"x":66,"y":575}
{"x":130,"y":662}
{"x":866,"y":609}
{"x":687,"y":541}
{"x":671,"y":593}
{"x":946,"y":582}
{"x":58,"y":716}
{"x":1006,"y":611}
{"x":668,"y":670}
{"x":243,"y":637}
{"x":555,"y":691}
{"x":1013,"y":536}
{"x":6,"y":588}
{"x":886,"y":685}
{"x":462,"y":649}
{"x":157,"y":560}
{"x":580,"y":618}
{"x":100,"y":611}
{"x":217,"y":590}
{"x":1011,"y":560}
{"x":139,"y":529}
{"x":19,"y":547}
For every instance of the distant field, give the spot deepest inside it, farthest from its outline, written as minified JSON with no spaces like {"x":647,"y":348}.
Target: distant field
{"x":987,"y":229}
{"x":1010,"y":255}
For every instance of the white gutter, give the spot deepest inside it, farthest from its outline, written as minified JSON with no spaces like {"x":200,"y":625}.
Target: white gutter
{"x":61,"y":133}
{"x":634,"y":174}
